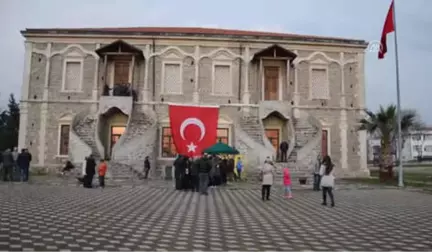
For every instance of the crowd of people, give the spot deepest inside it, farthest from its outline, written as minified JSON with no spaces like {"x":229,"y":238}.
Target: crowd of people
{"x":197,"y":174}
{"x":15,"y":165}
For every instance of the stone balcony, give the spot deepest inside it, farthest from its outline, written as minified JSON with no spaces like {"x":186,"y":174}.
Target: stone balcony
{"x":123,"y":103}
{"x":268,"y":107}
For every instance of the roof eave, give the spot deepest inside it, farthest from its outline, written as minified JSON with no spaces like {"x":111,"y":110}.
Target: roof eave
{"x":353,"y":42}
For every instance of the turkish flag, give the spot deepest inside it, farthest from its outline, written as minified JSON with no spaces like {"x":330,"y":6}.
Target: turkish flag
{"x":389,"y":27}
{"x":193,"y":128}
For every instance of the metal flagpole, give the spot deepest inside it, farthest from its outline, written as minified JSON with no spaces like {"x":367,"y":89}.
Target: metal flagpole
{"x":399,"y":112}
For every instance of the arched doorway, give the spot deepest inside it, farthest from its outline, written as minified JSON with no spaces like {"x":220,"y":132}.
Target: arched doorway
{"x":112,"y":126}
{"x":276,"y":130}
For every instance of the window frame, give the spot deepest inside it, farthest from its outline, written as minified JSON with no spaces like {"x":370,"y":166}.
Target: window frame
{"x":319,"y":66}
{"x":227,"y":135}
{"x":222,"y":63}
{"x":59,"y":139}
{"x":171,"y":142}
{"x":81,"y":77}
{"x":171,"y":62}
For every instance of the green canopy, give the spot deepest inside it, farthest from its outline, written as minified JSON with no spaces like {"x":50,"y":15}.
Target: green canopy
{"x":221,"y":148}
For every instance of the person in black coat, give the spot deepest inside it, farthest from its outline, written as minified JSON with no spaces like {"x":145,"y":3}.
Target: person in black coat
{"x":284,"y":149}
{"x":23,"y":161}
{"x":146,"y":167}
{"x":90,"y":171}
{"x":194,"y":175}
{"x":179,"y":170}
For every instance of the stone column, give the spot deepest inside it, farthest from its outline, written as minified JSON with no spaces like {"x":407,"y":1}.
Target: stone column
{"x":195,"y":95}
{"x":343,"y":125}
{"x":360,"y":80}
{"x":296,"y":111}
{"x":362,"y":138}
{"x":44,"y":109}
{"x":24,"y":96}
{"x":145,"y":90}
{"x":246,"y":93}
{"x":95,"y":83}
{"x":288,"y":68}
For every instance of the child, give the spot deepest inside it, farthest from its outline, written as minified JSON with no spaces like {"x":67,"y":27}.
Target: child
{"x":102,"y":171}
{"x":287,"y":182}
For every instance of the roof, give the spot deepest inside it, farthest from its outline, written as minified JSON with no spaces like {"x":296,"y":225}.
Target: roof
{"x":191,"y":31}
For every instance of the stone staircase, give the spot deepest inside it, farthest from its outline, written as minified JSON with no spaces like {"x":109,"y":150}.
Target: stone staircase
{"x":85,"y":129}
{"x":121,"y":173}
{"x":251,"y":125}
{"x":137,"y":126}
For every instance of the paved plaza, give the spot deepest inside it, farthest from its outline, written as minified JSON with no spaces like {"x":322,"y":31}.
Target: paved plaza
{"x":144,"y":218}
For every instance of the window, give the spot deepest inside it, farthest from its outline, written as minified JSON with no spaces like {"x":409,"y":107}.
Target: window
{"x":172,"y":78}
{"x":222,"y":80}
{"x":222,"y":135}
{"x":428,"y":148}
{"x":64,"y":140}
{"x":319,"y":88}
{"x":121,"y":71}
{"x":72,"y":76}
{"x":168,"y":147}
{"x":416,"y":137}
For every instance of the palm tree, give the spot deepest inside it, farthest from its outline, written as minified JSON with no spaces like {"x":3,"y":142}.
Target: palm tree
{"x":384,"y":123}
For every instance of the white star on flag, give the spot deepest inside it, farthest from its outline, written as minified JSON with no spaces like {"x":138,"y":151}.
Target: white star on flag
{"x":191,"y":147}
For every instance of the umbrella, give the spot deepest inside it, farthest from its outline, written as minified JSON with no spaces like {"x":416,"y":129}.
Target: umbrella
{"x":221,"y":148}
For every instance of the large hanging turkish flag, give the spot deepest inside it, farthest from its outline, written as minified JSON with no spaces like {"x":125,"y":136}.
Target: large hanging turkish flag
{"x":193,"y":128}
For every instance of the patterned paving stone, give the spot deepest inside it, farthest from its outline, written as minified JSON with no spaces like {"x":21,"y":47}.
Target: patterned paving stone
{"x":58,"y":218}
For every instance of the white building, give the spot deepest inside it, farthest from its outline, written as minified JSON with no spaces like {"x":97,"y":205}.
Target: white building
{"x":417,"y":143}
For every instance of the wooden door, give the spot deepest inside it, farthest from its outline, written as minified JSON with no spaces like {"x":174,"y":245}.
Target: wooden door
{"x":324,"y":143}
{"x":273,"y":137}
{"x":271,"y":83}
{"x":121,"y":71}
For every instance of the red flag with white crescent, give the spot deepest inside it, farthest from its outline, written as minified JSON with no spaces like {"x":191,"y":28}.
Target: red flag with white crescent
{"x":193,"y":128}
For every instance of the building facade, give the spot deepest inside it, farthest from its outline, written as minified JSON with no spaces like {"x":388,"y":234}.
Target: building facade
{"x":106,"y":91}
{"x":417,"y":145}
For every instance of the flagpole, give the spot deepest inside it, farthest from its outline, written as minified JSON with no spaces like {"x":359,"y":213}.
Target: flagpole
{"x":399,"y":112}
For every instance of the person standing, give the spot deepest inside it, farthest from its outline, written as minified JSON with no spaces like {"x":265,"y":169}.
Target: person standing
{"x":239,"y":168}
{"x":194,"y":174}
{"x":224,"y":170}
{"x":8,"y":163}
{"x":327,"y":180}
{"x":267,"y":180}
{"x":146,"y":167}
{"x":287,"y":182}
{"x":178,"y":172}
{"x":90,"y":171}
{"x":316,"y":174}
{"x":23,"y":161}
{"x":284,"y":149}
{"x":102,"y":169}
{"x":204,"y":169}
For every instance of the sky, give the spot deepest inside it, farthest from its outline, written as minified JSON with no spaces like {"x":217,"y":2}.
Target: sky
{"x":341,"y":18}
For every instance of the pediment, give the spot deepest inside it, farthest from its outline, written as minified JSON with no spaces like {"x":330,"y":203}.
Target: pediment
{"x":222,"y":56}
{"x":172,"y":55}
{"x":319,"y":62}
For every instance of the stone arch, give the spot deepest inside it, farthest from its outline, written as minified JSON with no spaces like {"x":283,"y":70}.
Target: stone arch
{"x":315,"y":54}
{"x":172,"y":50}
{"x":83,"y":52}
{"x":224,"y":53}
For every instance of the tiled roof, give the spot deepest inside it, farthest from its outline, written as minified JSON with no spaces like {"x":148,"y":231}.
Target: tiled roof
{"x":192,"y":31}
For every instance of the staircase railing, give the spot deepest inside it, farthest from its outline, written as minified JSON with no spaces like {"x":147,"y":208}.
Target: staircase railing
{"x":78,"y":149}
{"x":311,"y":148}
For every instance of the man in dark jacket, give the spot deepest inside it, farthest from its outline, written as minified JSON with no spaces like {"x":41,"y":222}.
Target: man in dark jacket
{"x":284,"y":149}
{"x":204,"y":170}
{"x":23,"y":161}
{"x":179,"y":170}
{"x":194,"y":174}
{"x":90,"y":171}
{"x":146,"y":167}
{"x":8,"y":164}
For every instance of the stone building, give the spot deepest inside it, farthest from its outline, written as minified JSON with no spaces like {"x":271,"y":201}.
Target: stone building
{"x":271,"y":87}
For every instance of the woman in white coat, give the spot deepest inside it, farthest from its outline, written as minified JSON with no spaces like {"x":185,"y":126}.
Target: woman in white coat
{"x":267,"y":179}
{"x":327,"y":180}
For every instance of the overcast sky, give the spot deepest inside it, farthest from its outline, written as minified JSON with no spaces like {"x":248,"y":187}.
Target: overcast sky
{"x":346,"y":18}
